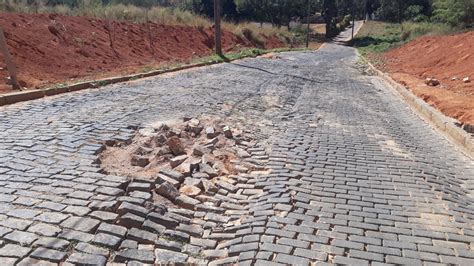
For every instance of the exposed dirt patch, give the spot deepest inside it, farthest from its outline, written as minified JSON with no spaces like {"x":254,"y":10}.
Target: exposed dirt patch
{"x":51,"y":49}
{"x":190,"y":158}
{"x":443,"y":58}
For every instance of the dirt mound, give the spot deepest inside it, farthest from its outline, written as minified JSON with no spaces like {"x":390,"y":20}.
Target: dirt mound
{"x":51,"y":49}
{"x":442,"y":58}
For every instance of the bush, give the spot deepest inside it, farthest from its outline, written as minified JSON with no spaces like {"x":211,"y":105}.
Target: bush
{"x":345,"y":22}
{"x":252,"y":37}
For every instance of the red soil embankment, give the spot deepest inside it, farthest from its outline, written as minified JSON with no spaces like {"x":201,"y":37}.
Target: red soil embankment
{"x":443,"y":58}
{"x":50,"y":49}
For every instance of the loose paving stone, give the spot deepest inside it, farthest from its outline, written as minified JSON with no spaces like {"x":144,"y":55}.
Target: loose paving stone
{"x":129,"y":244}
{"x":116,"y":230}
{"x":48,"y":254}
{"x":31,"y":261}
{"x":83,"y":224}
{"x":20,"y":237}
{"x":51,"y":242}
{"x":91,"y":249}
{"x":72,"y":235}
{"x":144,"y":256}
{"x":77,"y":210}
{"x":168,"y":257}
{"x":289,"y":259}
{"x":141,"y":236}
{"x":109,"y":217}
{"x":163,"y":220}
{"x":153,"y":227}
{"x":23,"y":213}
{"x":15,"y":223}
{"x":44,"y":229}
{"x":107,"y":240}
{"x":12,"y":250}
{"x":86,"y":259}
{"x":168,"y":244}
{"x":51,"y":217}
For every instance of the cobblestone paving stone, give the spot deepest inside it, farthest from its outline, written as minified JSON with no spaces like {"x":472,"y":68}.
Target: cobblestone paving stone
{"x":342,"y":173}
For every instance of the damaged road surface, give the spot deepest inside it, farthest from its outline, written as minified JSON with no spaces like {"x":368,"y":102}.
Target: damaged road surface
{"x":299,"y":159}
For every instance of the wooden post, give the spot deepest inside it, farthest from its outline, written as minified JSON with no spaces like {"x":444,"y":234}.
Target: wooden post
{"x":307,"y":30}
{"x":9,"y":61}
{"x":353,"y":19}
{"x":217,"y":26}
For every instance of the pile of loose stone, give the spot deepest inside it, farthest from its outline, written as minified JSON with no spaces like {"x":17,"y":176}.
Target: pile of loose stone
{"x":188,"y":210}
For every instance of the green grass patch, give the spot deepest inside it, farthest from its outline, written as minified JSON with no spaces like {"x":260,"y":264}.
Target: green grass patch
{"x":378,"y":37}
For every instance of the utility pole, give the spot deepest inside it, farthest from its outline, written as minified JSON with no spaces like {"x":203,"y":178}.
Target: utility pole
{"x":307,"y":30}
{"x":217,"y":26}
{"x":9,"y":61}
{"x":353,"y":19}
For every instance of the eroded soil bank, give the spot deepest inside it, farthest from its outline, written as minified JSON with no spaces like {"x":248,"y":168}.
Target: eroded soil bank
{"x":50,"y":49}
{"x":449,"y":59}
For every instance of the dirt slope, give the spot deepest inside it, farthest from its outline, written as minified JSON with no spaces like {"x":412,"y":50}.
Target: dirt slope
{"x":53,"y":48}
{"x":441,"y":57}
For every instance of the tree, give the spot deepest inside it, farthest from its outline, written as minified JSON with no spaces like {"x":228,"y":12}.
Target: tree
{"x":329,"y":12}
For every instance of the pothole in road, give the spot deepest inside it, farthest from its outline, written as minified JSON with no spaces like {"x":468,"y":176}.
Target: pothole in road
{"x":178,"y":161}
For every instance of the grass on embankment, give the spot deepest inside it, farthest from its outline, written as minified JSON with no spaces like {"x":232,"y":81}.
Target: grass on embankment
{"x":156,"y":14}
{"x":378,"y":37}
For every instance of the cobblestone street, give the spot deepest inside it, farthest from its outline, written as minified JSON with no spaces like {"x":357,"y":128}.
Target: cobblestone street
{"x":344,"y":173}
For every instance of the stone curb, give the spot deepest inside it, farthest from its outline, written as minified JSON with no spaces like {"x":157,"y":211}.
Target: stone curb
{"x":443,"y":123}
{"x":21,"y":96}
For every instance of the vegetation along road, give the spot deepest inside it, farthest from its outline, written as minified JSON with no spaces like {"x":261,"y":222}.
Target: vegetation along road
{"x":332,"y":168}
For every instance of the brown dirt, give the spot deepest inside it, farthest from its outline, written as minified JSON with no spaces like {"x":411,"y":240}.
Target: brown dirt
{"x":440,"y":57}
{"x":50,"y":49}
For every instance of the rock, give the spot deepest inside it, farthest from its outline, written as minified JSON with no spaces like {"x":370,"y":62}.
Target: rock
{"x":213,"y":142}
{"x":201,"y":176}
{"x":242,"y":153}
{"x":143,"y":150}
{"x":454,"y":78}
{"x":184,"y":169}
{"x":186,"y":202}
{"x":190,"y":190}
{"x":211,"y":172}
{"x":190,"y":181}
{"x":159,"y":139}
{"x":220,"y":168}
{"x":172,"y":174}
{"x":200,"y":151}
{"x":168,"y":191}
{"x":147,"y":132}
{"x":163,"y":151}
{"x":431,"y":82}
{"x":174,"y":132}
{"x":194,"y":126}
{"x":208,"y":186}
{"x":194,"y":165}
{"x":160,"y":178}
{"x":174,"y":162}
{"x":227,"y":132}
{"x":210,"y":132}
{"x":175,"y":145}
{"x":139,"y":186}
{"x":466,"y":80}
{"x":139,"y":160}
